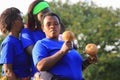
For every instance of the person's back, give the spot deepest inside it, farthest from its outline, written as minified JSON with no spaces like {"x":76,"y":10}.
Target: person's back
{"x":29,"y":37}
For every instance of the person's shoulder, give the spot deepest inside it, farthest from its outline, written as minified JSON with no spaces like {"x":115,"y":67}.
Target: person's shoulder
{"x":25,"y":30}
{"x":7,"y":40}
{"x":42,"y":40}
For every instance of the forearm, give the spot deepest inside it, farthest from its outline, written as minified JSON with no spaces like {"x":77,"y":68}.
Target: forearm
{"x":89,"y":61}
{"x":11,"y":76}
{"x":29,"y":50}
{"x":9,"y":72}
{"x":46,"y":63}
{"x":85,"y":64}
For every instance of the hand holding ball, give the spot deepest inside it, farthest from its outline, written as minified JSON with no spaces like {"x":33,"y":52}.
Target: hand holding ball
{"x":91,"y":49}
{"x":68,"y":36}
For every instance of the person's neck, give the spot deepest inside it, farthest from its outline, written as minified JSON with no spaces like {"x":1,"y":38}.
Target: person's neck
{"x":54,"y":38}
{"x":14,"y":34}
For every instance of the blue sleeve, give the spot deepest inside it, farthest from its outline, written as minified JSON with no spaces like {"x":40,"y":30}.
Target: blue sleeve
{"x":26,"y":38}
{"x":7,"y":53}
{"x":39,"y":52}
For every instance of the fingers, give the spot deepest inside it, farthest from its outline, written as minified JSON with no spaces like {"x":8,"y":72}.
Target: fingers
{"x":93,"y":60}
{"x":66,"y":46}
{"x":69,"y":44}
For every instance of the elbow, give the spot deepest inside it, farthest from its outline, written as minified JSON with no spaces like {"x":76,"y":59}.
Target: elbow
{"x":42,"y":67}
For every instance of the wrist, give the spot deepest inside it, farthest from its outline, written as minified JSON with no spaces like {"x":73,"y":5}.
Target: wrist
{"x":62,"y":52}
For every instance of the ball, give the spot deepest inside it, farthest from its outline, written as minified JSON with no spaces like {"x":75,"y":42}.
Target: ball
{"x":91,"y":49}
{"x":68,"y":36}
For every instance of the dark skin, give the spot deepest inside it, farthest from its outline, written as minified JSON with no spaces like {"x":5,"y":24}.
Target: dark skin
{"x":9,"y":72}
{"x":51,"y":27}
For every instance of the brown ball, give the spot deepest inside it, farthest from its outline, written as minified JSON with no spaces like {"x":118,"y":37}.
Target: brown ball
{"x":68,"y":36}
{"x":91,"y":49}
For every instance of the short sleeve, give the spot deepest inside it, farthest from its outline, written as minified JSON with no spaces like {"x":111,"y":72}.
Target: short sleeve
{"x":39,"y":52}
{"x":7,"y":53}
{"x":26,"y":38}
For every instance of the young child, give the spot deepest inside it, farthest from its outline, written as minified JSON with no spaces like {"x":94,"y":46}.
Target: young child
{"x":15,"y":61}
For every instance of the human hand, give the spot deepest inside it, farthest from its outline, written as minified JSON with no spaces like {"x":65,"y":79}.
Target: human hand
{"x":93,"y":60}
{"x":68,"y":37}
{"x":68,"y":45}
{"x":88,"y":61}
{"x":37,"y":76}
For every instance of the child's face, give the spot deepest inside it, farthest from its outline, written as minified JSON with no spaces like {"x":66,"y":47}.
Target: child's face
{"x":51,"y":27}
{"x":18,"y":24}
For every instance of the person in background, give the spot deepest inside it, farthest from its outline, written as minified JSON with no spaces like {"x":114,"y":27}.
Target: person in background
{"x":33,"y":32}
{"x":58,"y":58}
{"x":13,"y":57}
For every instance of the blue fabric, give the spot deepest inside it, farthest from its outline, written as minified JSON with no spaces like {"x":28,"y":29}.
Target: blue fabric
{"x":28,"y":38}
{"x":12,"y":52}
{"x":69,"y":66}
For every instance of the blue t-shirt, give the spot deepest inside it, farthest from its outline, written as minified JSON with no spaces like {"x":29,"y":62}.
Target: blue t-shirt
{"x":12,"y":52}
{"x":28,"y":38}
{"x":69,"y":66}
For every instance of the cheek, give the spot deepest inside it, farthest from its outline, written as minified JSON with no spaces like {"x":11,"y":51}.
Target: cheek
{"x":58,"y":29}
{"x":39,"y":17}
{"x":45,"y":29}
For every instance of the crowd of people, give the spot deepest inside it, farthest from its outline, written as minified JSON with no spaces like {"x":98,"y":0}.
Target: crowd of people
{"x":34,"y":47}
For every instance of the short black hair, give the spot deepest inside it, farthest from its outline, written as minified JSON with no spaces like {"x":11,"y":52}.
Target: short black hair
{"x":50,"y":14}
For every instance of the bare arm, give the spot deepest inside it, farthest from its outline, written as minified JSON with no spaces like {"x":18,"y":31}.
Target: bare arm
{"x":29,"y":49}
{"x":88,"y":62}
{"x":46,"y":63}
{"x":9,"y":72}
